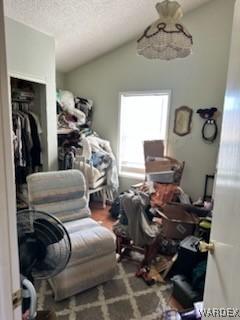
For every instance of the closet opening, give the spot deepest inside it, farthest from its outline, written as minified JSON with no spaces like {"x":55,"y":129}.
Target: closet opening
{"x":28,"y":99}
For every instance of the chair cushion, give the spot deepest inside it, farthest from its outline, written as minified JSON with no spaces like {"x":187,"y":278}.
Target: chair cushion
{"x":61,"y":193}
{"x":89,"y":240}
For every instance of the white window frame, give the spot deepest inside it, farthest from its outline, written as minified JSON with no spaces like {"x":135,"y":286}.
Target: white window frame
{"x":141,"y":93}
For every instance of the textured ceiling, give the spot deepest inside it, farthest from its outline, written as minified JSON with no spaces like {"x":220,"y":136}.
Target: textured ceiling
{"x":85,"y":29}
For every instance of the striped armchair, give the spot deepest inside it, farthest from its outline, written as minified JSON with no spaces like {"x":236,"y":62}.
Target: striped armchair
{"x":93,"y":260}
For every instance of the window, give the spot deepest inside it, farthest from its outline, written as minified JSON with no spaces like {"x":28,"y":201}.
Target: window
{"x":143,"y":116}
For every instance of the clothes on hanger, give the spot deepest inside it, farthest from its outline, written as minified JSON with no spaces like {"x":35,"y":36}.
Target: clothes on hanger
{"x":27,"y":141}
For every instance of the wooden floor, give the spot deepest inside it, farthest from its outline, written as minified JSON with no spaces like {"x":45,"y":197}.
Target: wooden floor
{"x":102,"y":215}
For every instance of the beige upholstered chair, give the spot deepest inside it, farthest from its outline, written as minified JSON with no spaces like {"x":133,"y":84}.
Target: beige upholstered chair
{"x":93,"y":259}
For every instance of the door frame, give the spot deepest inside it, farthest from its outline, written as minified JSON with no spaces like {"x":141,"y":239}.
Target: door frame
{"x":221,"y":292}
{"x":9,"y":263}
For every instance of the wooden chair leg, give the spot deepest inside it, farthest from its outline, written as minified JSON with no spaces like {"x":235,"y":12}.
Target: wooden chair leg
{"x":104,"y":197}
{"x":118,"y":245}
{"x":150,"y":252}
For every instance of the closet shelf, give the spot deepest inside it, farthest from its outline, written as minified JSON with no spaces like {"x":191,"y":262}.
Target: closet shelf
{"x":22,"y":100}
{"x":64,"y":131}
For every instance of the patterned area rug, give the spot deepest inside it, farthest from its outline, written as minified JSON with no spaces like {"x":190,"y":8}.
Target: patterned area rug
{"x":125,"y":297}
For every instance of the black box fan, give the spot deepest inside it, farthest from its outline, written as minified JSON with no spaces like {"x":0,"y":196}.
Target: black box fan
{"x":44,"y":249}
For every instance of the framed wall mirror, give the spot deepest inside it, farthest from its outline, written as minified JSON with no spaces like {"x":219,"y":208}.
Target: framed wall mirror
{"x":183,"y":121}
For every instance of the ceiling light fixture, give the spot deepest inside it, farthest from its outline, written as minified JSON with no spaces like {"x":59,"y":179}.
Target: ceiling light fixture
{"x":166,"y":38}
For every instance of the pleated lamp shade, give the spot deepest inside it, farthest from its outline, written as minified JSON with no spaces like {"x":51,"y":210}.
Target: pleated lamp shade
{"x":166,"y":38}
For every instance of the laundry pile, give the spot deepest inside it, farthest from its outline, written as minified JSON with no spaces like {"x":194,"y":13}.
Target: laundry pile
{"x":160,"y":221}
{"x":82,"y":148}
{"x":138,"y":217}
{"x":73,"y":112}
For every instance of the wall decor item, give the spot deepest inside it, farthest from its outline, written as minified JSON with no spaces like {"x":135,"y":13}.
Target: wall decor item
{"x":183,"y":121}
{"x":212,"y":137}
{"x":210,"y":115}
{"x":207,"y":113}
{"x":166,"y":38}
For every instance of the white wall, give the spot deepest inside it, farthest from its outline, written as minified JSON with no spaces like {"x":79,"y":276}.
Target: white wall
{"x":60,"y":76}
{"x":196,"y":81}
{"x":31,"y":55}
{"x":9,"y":264}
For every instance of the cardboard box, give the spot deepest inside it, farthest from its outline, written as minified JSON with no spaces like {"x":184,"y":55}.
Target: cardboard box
{"x":154,"y":157}
{"x":159,"y":168}
{"x":177,"y":223}
{"x":153,"y":148}
{"x":161,"y":164}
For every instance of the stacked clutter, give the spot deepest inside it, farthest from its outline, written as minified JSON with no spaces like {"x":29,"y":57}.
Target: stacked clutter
{"x":159,"y":217}
{"x":159,"y":168}
{"x":80,"y":147}
{"x":73,"y":112}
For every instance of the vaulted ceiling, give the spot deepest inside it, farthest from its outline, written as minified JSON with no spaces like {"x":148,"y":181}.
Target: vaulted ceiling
{"x":86,"y":29}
